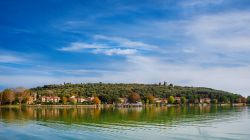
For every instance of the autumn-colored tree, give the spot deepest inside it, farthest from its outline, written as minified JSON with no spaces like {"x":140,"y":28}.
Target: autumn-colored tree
{"x":133,"y":97}
{"x":171,"y":100}
{"x":1,"y":96}
{"x":23,"y":96}
{"x":73,"y":100}
{"x":150,"y":99}
{"x":243,"y":100}
{"x":64,"y":100}
{"x":8,"y":96}
{"x":96,"y":100}
{"x":29,"y":100}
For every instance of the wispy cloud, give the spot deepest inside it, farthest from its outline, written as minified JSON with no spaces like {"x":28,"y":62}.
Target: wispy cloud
{"x":126,"y":43}
{"x":221,"y":37}
{"x":109,"y":46}
{"x":142,"y":69}
{"x":5,"y":58}
{"x":196,"y":3}
{"x":191,"y":42}
{"x":228,"y":30}
{"x":79,"y":46}
{"x":115,"y":51}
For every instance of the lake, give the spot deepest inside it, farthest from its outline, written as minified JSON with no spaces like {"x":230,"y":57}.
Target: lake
{"x":148,"y":123}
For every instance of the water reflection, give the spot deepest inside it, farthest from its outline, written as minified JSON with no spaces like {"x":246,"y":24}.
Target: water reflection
{"x":154,"y":116}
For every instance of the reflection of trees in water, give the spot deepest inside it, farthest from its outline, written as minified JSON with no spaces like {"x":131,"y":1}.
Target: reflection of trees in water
{"x":152,"y":115}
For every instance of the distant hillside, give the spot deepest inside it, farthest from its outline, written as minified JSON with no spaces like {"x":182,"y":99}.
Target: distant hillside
{"x":110,"y":91}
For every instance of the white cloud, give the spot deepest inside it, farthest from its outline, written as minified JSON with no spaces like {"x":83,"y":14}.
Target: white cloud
{"x":118,"y":46}
{"x":126,"y":43}
{"x":228,"y":30}
{"x":199,"y":40}
{"x":115,"y":51}
{"x":201,"y":37}
{"x":144,"y":69}
{"x":79,"y":46}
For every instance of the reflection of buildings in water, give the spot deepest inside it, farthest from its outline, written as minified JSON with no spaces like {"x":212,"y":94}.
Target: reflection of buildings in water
{"x":80,"y":111}
{"x":50,"y":113}
{"x":203,"y":108}
{"x":29,"y":112}
{"x":166,"y":115}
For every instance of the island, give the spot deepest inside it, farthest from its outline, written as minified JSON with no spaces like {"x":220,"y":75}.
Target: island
{"x":119,"y":95}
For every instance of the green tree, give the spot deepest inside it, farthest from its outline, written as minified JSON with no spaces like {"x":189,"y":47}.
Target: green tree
{"x":223,"y":99}
{"x":248,"y":99}
{"x":108,"y":93}
{"x":183,"y":100}
{"x":214,"y":101}
{"x":114,"y":99}
{"x":171,"y":100}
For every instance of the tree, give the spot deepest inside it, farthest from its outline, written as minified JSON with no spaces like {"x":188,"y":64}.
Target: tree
{"x":23,"y":95}
{"x":1,"y":96}
{"x":248,"y":99}
{"x":96,"y":100}
{"x":73,"y":100}
{"x":171,"y":100}
{"x":148,"y":99}
{"x":133,"y":97}
{"x":8,"y":96}
{"x":214,"y":101}
{"x":183,"y":100}
{"x":165,"y":83}
{"x":29,"y":100}
{"x":243,"y":100}
{"x":108,"y":93}
{"x":151,"y":99}
{"x":64,"y":100}
{"x":223,"y":99}
{"x":114,"y":99}
{"x":171,"y":85}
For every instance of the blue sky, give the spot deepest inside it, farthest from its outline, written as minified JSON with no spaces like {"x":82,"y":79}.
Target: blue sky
{"x":185,"y":42}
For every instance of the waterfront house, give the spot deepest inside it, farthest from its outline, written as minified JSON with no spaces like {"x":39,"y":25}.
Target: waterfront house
{"x":90,"y":99}
{"x":161,"y":100}
{"x":157,"y":100}
{"x":81,"y":100}
{"x":54,"y":99}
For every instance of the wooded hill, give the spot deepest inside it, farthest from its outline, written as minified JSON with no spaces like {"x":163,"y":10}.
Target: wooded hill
{"x":109,"y":93}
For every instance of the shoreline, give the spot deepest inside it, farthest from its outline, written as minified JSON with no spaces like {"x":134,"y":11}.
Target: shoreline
{"x":115,"y":106}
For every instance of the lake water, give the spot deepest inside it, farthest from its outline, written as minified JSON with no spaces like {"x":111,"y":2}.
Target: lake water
{"x":151,"y":123}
